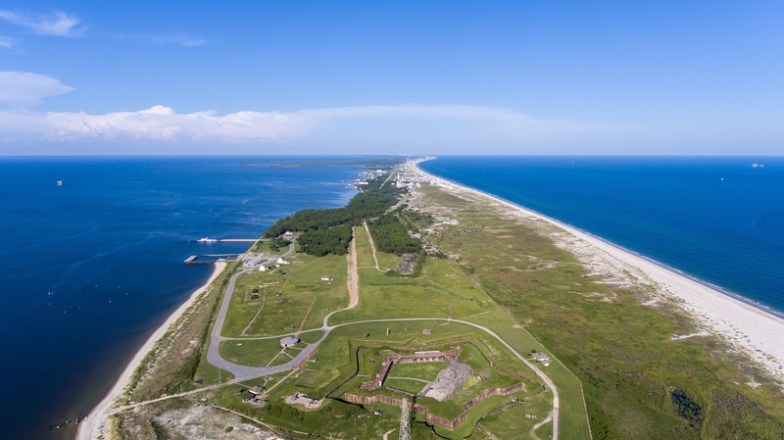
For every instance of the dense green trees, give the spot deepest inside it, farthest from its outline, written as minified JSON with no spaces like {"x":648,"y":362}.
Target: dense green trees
{"x":328,"y":231}
{"x":390,"y":235}
{"x":320,"y":242}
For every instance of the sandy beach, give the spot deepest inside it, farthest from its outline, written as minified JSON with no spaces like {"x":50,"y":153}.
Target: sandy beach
{"x":749,"y":329}
{"x":94,"y":424}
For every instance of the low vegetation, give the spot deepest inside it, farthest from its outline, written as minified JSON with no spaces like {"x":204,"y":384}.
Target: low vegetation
{"x":620,"y":350}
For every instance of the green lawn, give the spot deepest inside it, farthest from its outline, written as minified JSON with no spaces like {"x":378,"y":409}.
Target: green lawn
{"x":290,"y":298}
{"x":409,"y":385}
{"x":256,"y":353}
{"x":425,"y":371}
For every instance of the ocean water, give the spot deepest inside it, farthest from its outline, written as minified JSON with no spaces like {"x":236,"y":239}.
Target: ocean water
{"x":717,"y":219}
{"x":89,"y":269}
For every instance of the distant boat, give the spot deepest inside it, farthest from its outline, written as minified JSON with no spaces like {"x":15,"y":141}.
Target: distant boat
{"x":59,"y":183}
{"x":206,"y":240}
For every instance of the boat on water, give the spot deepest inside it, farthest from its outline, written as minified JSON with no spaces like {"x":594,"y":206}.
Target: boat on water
{"x":206,"y":240}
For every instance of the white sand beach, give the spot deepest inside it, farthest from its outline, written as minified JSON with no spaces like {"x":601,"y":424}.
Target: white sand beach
{"x":750,"y":329}
{"x":93,"y":426}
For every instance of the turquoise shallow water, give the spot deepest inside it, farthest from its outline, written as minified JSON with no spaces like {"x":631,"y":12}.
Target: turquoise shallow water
{"x":89,"y":269}
{"x":719,"y":219}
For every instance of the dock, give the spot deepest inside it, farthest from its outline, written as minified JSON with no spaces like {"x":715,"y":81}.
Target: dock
{"x":227,"y":240}
{"x":194,"y":259}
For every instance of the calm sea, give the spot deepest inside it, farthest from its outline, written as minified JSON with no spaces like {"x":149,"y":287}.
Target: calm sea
{"x":718,"y":219}
{"x":90,"y":268}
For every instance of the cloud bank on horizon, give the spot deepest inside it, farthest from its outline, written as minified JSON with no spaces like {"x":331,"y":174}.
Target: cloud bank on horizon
{"x":347,"y":129}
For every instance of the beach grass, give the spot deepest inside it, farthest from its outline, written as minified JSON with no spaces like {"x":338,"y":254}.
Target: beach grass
{"x":619,"y":351}
{"x":177,"y":361}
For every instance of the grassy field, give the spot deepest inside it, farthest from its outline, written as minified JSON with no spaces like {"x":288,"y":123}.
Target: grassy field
{"x":288,"y":299}
{"x":428,"y":371}
{"x":256,"y":353}
{"x":441,"y":290}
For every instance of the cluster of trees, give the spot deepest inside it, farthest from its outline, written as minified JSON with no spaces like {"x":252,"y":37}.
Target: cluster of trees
{"x":279,"y":242}
{"x":391,"y":235}
{"x":320,"y":242}
{"x":328,"y":231}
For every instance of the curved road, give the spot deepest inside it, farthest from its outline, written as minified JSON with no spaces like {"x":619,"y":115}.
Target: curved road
{"x":244,"y":372}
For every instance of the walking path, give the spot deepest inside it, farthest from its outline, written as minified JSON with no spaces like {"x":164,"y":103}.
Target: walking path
{"x":372,"y":246}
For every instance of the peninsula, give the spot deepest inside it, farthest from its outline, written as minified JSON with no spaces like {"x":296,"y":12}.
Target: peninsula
{"x":425,"y":309}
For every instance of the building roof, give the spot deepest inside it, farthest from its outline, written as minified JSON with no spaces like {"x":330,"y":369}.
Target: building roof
{"x":289,"y":340}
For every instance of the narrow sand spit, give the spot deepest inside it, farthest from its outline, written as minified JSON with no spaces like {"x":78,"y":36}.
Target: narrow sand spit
{"x":750,"y":329}
{"x":94,"y":425}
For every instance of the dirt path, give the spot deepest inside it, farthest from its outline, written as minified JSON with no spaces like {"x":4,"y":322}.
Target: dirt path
{"x":352,"y":282}
{"x":539,"y":425}
{"x":372,"y":247}
{"x":305,"y":319}
{"x":250,"y":323}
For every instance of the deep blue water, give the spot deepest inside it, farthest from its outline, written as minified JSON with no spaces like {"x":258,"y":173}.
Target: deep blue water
{"x":109,"y":245}
{"x":718,"y":219}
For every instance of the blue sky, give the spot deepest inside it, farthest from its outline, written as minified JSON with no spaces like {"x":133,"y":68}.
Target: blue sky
{"x":433,"y":77}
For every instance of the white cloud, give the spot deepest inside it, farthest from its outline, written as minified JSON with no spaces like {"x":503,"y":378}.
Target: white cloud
{"x":27,"y":88}
{"x":158,"y":123}
{"x":57,"y":23}
{"x":7,"y":42}
{"x":166,"y":39}
{"x":178,"y":40}
{"x":344,"y":130}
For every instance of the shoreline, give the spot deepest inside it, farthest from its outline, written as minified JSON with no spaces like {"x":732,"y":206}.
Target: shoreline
{"x":93,"y":426}
{"x":747,"y":326}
